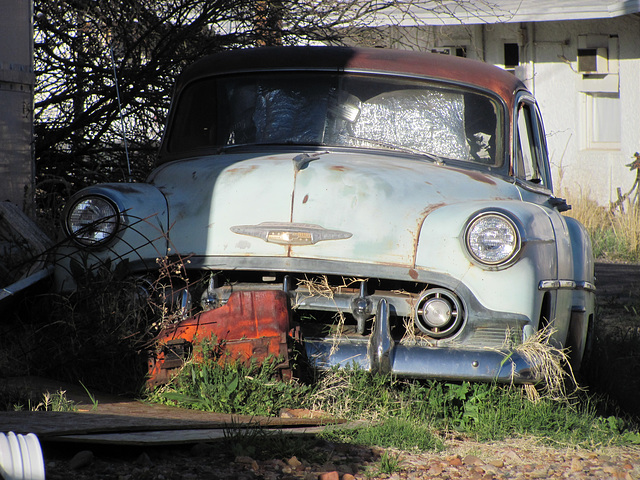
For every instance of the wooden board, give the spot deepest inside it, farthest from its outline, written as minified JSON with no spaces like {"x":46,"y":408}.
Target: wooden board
{"x":124,"y":421}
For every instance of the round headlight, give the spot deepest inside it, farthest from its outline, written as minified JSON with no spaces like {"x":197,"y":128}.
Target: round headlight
{"x":92,"y":220}
{"x":492,"y":239}
{"x":439,"y":313}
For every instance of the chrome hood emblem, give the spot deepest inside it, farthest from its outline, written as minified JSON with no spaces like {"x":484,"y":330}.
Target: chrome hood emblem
{"x":285,"y":233}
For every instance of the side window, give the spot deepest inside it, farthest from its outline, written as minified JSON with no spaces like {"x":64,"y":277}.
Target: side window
{"x":529,"y":146}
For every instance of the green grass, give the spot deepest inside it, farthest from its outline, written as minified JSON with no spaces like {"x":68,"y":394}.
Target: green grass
{"x":398,"y":433}
{"x":22,"y":399}
{"x":230,"y":387}
{"x":399,"y":414}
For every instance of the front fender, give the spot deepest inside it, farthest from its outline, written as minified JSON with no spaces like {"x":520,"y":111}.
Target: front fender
{"x":513,"y":288}
{"x":141,"y":239}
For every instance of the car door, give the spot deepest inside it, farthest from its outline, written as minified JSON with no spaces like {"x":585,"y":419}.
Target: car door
{"x":533,"y":176}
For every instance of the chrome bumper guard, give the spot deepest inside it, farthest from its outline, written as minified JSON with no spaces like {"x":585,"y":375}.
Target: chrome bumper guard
{"x":380,"y":354}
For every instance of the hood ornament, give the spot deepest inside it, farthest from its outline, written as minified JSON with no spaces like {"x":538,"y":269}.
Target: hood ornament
{"x":287,"y":233}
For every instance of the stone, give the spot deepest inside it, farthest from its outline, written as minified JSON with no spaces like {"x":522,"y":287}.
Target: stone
{"x":201,"y":449}
{"x":435,"y":470}
{"x":81,"y":459}
{"x":540,"y":473}
{"x":144,"y":460}
{"x":472,"y":460}
{"x":329,"y":476}
{"x":576,"y":464}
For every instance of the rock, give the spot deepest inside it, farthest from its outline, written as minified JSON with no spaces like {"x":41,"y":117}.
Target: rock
{"x":294,"y":462}
{"x":435,"y":470}
{"x":81,"y":459}
{"x":201,"y":449}
{"x":143,"y":460}
{"x":540,"y":473}
{"x":455,"y":461}
{"x":329,"y":476}
{"x":472,"y":460}
{"x":576,"y":464}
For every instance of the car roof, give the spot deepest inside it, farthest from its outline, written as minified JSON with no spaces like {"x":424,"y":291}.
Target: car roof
{"x":339,"y":59}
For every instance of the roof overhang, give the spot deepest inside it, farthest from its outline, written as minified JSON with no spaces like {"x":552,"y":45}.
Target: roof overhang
{"x":455,"y":12}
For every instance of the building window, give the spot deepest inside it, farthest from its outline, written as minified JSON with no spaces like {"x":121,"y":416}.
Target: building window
{"x":603,"y":121}
{"x":588,"y":60}
{"x":511,"y":55}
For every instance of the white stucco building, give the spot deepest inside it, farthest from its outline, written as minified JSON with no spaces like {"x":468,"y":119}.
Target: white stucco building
{"x":580,"y":58}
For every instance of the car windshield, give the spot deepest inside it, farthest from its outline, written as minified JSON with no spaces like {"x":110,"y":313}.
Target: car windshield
{"x":349,"y":110}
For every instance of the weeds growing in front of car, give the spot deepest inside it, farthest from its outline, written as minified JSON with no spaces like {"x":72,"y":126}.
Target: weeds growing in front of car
{"x":220,"y":385}
{"x":23,"y":399}
{"x":404,"y":434}
{"x":395,"y":413}
{"x":551,"y":365}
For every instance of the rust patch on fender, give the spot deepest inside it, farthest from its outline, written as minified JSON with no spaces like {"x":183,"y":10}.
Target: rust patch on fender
{"x":416,"y":238}
{"x":474,"y":175}
{"x":305,"y":199}
{"x":429,"y":209}
{"x":241,"y":170}
{"x":338,"y":168}
{"x":413,"y":274}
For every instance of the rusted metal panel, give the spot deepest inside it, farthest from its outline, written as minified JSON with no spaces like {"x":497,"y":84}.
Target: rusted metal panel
{"x":251,"y":326}
{"x":379,"y":60}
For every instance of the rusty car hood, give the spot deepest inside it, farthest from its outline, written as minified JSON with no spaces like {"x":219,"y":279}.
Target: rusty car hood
{"x":360,"y":207}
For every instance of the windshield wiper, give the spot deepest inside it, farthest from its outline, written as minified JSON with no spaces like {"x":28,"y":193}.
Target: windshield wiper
{"x":391,"y":146}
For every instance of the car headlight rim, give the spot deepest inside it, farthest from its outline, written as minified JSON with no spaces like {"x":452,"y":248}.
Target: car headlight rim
{"x":92,"y":220}
{"x":492,"y":239}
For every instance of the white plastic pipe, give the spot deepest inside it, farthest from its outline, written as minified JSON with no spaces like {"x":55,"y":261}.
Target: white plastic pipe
{"x":21,"y":457}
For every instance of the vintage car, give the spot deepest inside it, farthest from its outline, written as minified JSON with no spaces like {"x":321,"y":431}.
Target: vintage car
{"x":389,"y":209}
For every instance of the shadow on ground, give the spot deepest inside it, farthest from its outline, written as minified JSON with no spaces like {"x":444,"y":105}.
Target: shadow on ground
{"x":614,"y":368}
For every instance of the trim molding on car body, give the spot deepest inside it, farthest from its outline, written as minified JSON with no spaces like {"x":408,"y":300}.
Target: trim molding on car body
{"x":566,"y":284}
{"x":289,"y":233}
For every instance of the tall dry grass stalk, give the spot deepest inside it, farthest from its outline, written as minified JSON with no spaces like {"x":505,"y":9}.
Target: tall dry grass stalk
{"x":550,"y":364}
{"x":615,"y":232}
{"x":587,"y":211}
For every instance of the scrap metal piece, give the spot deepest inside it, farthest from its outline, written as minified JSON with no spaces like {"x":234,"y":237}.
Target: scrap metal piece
{"x":251,"y":326}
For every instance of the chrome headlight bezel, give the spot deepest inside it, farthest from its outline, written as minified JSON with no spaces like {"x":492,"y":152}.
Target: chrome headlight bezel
{"x":492,"y":239}
{"x":92,"y":221}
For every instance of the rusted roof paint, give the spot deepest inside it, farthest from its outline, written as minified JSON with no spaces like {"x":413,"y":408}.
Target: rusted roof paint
{"x":345,"y":59}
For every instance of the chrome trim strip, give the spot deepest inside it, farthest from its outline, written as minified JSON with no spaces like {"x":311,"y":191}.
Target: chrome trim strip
{"x":413,"y":361}
{"x":588,"y":286}
{"x":562,"y":284}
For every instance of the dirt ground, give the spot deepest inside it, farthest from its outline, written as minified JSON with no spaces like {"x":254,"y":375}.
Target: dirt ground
{"x":519,"y":458}
{"x":612,"y":371}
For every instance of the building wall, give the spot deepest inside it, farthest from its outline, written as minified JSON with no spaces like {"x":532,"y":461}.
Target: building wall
{"x":549,"y":66}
